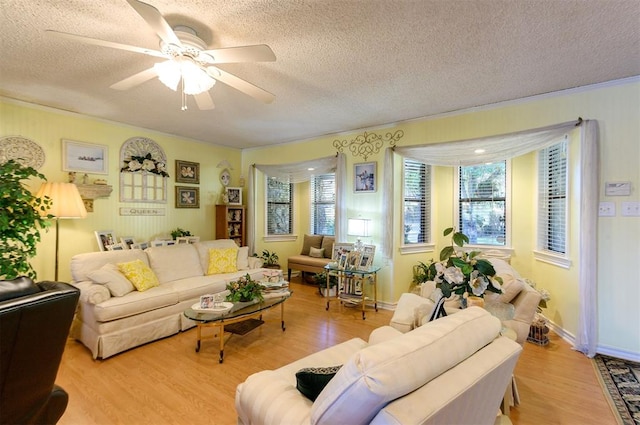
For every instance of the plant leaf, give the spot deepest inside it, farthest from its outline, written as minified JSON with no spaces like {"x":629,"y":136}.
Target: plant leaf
{"x":447,"y":231}
{"x":446,"y":252}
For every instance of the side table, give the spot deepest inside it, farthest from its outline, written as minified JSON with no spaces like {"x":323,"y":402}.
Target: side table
{"x":351,"y":286}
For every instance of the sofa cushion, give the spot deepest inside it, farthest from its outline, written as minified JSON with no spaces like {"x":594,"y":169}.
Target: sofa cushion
{"x":327,"y":245}
{"x":109,"y":275}
{"x":242,"y":262}
{"x":310,"y":381}
{"x":311,"y":241}
{"x":134,"y":303}
{"x":174,"y":262}
{"x":139,"y":274}
{"x":192,"y":288}
{"x":222,"y":260}
{"x":383,"y":372}
{"x":511,"y":287}
{"x":316,"y":252}
{"x":308,"y":261}
{"x":204,"y":247}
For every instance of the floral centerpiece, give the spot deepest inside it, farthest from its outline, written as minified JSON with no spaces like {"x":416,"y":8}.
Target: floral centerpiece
{"x":244,"y":289}
{"x":461,"y":273}
{"x":145,"y":163}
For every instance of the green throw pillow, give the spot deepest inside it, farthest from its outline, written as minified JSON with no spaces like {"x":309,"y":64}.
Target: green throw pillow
{"x":310,"y":381}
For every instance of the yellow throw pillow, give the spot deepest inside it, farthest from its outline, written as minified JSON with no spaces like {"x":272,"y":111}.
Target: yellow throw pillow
{"x":139,"y":274}
{"x":222,"y":260}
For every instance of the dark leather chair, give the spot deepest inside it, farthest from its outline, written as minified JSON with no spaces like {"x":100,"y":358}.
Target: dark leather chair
{"x":34,"y":325}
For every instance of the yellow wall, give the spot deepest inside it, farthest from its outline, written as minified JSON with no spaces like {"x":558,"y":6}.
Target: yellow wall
{"x":47,"y":127}
{"x":616,"y":108}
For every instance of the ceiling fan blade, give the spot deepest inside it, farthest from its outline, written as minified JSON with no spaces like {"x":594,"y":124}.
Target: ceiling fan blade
{"x":257,"y":53}
{"x":135,"y":79}
{"x":240,"y":84}
{"x":156,"y":21}
{"x":104,"y":43}
{"x":204,"y":101}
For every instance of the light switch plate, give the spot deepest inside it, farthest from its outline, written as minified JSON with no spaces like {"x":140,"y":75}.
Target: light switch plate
{"x":607,"y":209}
{"x":630,"y":209}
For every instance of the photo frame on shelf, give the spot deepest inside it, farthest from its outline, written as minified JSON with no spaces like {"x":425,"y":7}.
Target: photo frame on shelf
{"x":105,"y":238}
{"x":157,"y":242}
{"x":182,"y":240}
{"x":366,"y":259}
{"x":187,"y":197}
{"x":187,"y":172}
{"x":82,"y":157}
{"x":116,"y":247}
{"x":234,"y":195}
{"x":364,"y":177}
{"x":339,"y":249}
{"x":194,"y":239}
{"x":353,"y":260}
{"x":140,"y":245}
{"x":127,"y":241}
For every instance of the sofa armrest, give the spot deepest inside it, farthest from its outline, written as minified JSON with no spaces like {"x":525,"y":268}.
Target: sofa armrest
{"x":254,"y":262}
{"x":92,"y":293}
{"x":267,"y":397}
{"x":382,"y":334}
{"x":526,"y":305}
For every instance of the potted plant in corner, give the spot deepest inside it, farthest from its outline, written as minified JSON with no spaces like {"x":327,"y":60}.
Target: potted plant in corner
{"x":20,"y":220}
{"x":320,"y":279}
{"x":269,"y":259}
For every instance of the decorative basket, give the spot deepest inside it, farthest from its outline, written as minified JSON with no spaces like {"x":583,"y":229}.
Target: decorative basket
{"x":538,"y":331}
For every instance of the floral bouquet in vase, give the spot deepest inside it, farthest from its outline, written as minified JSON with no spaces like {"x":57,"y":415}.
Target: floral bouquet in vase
{"x":244,"y":289}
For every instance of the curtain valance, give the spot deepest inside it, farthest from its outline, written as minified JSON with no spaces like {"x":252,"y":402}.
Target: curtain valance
{"x":298,"y":172}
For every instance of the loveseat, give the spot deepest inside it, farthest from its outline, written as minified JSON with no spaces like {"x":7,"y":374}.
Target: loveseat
{"x":315,"y":254}
{"x":413,"y":309}
{"x":115,"y":315}
{"x":454,"y":370}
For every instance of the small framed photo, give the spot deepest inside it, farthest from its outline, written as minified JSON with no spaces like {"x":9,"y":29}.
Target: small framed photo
{"x":193,"y":239}
{"x":105,"y":238}
{"x":84,"y":157}
{"x":141,"y":245}
{"x":339,"y":249}
{"x":157,"y":242}
{"x":366,"y":259}
{"x":187,"y":197}
{"x":235,"y":195}
{"x":187,"y":172}
{"x":364,"y":176}
{"x":207,"y":301}
{"x":169,"y":243}
{"x":116,"y":247}
{"x":353,"y":260}
{"x":343,"y":260}
{"x":182,"y":240}
{"x":127,"y":241}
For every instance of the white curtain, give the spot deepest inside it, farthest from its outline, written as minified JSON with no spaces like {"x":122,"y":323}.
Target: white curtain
{"x":387,"y":206}
{"x":299,"y":172}
{"x":506,"y":146}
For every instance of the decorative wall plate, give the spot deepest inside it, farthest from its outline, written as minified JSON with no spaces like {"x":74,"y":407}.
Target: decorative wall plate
{"x":23,"y":150}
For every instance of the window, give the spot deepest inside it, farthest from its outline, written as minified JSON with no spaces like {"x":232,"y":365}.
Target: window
{"x":417,"y":202}
{"x":482,"y":203}
{"x":279,"y":207}
{"x":323,"y":204}
{"x":552,"y":198}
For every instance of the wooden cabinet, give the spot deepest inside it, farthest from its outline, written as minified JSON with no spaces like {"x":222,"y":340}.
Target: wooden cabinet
{"x":231,"y":223}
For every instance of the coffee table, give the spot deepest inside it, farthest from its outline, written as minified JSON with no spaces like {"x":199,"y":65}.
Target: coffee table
{"x":238,"y":313}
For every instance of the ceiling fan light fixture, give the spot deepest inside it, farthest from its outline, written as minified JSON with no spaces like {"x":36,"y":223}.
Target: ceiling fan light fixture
{"x":168,"y":73}
{"x":195,"y":79}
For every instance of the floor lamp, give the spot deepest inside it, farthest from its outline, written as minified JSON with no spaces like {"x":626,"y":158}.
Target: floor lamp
{"x":65,"y":203}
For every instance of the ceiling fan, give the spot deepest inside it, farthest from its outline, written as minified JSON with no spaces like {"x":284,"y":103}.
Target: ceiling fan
{"x":186,"y":60}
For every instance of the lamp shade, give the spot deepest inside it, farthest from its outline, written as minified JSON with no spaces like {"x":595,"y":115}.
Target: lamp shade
{"x":65,"y":200}
{"x":359,"y":227}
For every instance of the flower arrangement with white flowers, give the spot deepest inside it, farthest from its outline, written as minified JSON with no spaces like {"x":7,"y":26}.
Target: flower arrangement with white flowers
{"x":145,"y":163}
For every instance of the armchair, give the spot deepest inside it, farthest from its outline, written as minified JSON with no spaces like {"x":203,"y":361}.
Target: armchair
{"x":34,"y":321}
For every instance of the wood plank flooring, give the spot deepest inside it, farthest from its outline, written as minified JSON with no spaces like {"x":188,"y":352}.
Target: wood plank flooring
{"x":167,"y":382}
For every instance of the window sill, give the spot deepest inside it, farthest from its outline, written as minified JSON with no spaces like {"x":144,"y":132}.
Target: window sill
{"x":279,"y":238}
{"x":416,"y":248}
{"x":555,"y":259}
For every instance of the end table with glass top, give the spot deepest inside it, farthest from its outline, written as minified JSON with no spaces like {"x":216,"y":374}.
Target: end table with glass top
{"x":352,"y":286}
{"x":238,"y":313}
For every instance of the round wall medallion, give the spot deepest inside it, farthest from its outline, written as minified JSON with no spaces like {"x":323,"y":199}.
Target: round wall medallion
{"x":22,"y":150}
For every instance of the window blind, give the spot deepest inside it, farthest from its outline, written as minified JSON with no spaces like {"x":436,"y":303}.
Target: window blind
{"x":417,"y":202}
{"x":323,"y":204}
{"x":279,"y":206}
{"x":552,"y":198}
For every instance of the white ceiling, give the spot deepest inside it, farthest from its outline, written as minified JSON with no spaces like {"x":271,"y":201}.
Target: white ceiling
{"x":341,"y":65}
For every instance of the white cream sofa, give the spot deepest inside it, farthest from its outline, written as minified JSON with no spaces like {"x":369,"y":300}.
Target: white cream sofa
{"x":454,"y":370}
{"x":413,"y":309}
{"x":108,"y":324}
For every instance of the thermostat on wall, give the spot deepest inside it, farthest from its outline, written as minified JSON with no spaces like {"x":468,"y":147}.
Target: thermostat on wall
{"x":617,"y":188}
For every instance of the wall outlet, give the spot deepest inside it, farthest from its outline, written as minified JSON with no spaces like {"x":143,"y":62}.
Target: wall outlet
{"x":607,"y":209}
{"x":630,"y":209}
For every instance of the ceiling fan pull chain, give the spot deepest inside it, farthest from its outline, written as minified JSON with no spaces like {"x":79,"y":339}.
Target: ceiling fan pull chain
{"x":184,"y":96}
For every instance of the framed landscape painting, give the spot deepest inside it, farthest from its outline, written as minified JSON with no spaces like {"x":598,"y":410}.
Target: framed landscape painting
{"x":84,"y":157}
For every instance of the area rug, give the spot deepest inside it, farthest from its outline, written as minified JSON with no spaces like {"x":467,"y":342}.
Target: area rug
{"x":621,"y":381}
{"x":243,"y":327}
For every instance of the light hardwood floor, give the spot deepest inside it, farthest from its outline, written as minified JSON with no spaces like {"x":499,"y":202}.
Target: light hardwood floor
{"x":167,"y":382}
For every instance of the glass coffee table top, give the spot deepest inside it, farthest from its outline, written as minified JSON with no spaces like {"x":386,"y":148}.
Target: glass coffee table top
{"x":239,"y":309}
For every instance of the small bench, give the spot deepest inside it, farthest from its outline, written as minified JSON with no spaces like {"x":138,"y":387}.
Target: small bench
{"x":305,"y":262}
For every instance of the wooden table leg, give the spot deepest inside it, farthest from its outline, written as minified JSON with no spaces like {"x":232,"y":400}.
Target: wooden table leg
{"x":199,"y":336}
{"x":221,"y":334}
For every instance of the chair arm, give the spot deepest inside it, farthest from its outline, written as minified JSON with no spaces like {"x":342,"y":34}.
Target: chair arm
{"x":268,"y":397}
{"x":55,"y":407}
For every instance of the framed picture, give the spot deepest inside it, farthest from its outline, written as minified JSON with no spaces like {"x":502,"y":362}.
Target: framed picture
{"x":187,"y":172}
{"x":364,"y":176}
{"x":366,"y":259}
{"x":157,"y":242}
{"x":235,"y":195}
{"x":116,"y":247}
{"x":84,"y":157}
{"x":127,"y":241}
{"x":187,"y":197}
{"x":339,"y":249}
{"x":182,"y":240}
{"x":193,"y":239}
{"x":353,"y":260}
{"x":141,"y":245}
{"x":105,"y":238}
{"x":343,"y":260}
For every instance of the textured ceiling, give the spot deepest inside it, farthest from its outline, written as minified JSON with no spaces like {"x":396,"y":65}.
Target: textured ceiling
{"x":341,"y":65}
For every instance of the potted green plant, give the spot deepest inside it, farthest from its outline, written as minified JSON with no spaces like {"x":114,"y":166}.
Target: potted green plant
{"x":245,"y":289}
{"x":320,"y":279}
{"x":20,"y":220}
{"x":178,"y":232}
{"x":269,"y":259}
